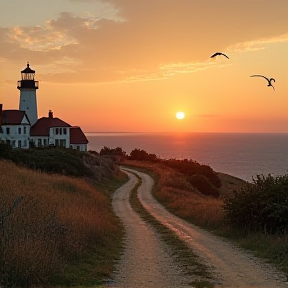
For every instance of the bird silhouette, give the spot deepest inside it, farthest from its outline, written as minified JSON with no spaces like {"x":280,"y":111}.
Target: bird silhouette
{"x":269,"y":80}
{"x":218,"y":54}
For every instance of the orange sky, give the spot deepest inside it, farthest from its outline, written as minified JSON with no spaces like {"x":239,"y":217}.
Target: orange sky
{"x":122,"y":65}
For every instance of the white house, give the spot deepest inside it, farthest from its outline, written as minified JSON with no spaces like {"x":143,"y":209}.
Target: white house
{"x":15,"y":128}
{"x":22,"y":128}
{"x":54,"y":131}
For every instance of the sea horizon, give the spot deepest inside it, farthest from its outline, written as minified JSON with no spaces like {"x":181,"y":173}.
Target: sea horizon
{"x":243,"y":155}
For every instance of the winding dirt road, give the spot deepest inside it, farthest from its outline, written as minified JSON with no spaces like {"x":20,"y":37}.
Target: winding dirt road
{"x":146,"y":261}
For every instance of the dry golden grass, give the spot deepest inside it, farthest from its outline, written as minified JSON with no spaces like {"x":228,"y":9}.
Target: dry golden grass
{"x":182,"y":199}
{"x":54,"y":223}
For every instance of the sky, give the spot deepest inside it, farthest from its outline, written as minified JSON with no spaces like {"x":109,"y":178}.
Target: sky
{"x":130,"y":65}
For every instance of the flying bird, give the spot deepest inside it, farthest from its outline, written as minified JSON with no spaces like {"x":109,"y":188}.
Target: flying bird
{"x":269,"y":80}
{"x":218,"y":54}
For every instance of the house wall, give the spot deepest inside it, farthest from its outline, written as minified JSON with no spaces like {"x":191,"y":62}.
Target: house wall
{"x":16,"y":135}
{"x":58,"y":136}
{"x":80,"y":147}
{"x":40,"y":141}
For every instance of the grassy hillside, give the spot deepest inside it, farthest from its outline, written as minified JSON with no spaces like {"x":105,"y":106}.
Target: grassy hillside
{"x":55,"y":229}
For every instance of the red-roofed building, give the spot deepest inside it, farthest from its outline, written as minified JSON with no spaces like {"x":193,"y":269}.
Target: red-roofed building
{"x":17,"y":129}
{"x":78,"y":139}
{"x":54,"y":131}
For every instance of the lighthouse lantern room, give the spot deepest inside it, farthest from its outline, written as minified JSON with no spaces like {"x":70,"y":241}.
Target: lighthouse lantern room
{"x":28,"y":86}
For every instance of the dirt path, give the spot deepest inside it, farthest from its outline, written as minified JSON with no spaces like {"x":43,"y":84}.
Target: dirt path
{"x":146,"y":262}
{"x":232,"y":266}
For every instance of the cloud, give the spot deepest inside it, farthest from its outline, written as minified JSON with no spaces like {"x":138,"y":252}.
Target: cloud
{"x":39,"y":38}
{"x":147,"y":40}
{"x":257,"y":44}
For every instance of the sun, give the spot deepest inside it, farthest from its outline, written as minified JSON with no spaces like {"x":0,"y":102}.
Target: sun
{"x":180,"y":115}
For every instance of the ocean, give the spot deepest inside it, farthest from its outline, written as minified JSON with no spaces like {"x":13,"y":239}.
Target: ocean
{"x":243,"y":155}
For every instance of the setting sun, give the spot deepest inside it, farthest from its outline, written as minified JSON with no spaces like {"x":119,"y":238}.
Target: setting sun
{"x":180,"y":115}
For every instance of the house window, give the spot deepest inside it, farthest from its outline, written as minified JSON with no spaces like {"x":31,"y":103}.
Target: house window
{"x":45,"y":142}
{"x":64,"y":131}
{"x":19,"y":130}
{"x":39,"y":142}
{"x":19,"y":144}
{"x":8,"y":130}
{"x":63,"y":142}
{"x":57,"y":131}
{"x":24,"y":130}
{"x":25,"y":143}
{"x":60,"y":131}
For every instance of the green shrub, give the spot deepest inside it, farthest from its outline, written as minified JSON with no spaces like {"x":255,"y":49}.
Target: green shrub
{"x":5,"y":149}
{"x":260,"y":206}
{"x":191,"y":167}
{"x":50,"y":160}
{"x":204,"y":186}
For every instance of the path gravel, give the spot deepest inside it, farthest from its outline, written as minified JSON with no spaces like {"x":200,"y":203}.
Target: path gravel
{"x":146,"y":261}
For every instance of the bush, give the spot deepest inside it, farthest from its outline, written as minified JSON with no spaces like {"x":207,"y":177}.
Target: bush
{"x":201,"y":183}
{"x":5,"y":149}
{"x":260,"y":206}
{"x":50,"y":160}
{"x":141,"y":155}
{"x":191,"y":167}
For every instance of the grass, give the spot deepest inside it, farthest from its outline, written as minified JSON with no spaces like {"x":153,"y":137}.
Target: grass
{"x":56,"y":229}
{"x":207,"y":212}
{"x":189,"y":262}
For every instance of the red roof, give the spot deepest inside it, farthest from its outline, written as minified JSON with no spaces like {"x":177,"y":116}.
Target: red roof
{"x":42,"y":126}
{"x":13,"y":117}
{"x":77,"y":136}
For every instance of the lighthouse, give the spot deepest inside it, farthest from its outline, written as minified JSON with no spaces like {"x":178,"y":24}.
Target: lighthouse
{"x":28,"y":86}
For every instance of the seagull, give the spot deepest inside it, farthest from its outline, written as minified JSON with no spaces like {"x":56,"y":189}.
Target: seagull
{"x":269,"y":80}
{"x":218,"y":54}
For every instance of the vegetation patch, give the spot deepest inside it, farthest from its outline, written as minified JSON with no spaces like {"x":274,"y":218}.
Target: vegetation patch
{"x":55,"y":229}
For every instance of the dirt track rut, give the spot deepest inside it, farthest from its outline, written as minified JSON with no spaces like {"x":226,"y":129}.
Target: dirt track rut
{"x":146,"y":262}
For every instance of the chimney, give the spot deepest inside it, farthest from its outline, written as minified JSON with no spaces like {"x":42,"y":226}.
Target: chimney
{"x":50,"y":114}
{"x":1,"y":117}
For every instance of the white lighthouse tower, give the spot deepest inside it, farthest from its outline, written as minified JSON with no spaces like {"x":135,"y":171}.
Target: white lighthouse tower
{"x":28,"y":86}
